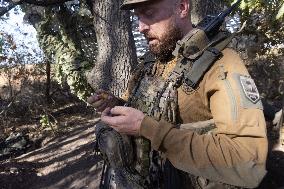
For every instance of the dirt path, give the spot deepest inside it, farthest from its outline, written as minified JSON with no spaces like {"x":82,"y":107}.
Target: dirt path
{"x":67,"y":160}
{"x":64,"y":162}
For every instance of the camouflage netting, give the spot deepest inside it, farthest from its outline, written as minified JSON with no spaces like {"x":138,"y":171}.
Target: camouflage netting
{"x":67,"y":38}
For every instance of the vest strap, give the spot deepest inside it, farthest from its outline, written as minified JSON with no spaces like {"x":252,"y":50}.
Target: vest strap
{"x":194,"y":71}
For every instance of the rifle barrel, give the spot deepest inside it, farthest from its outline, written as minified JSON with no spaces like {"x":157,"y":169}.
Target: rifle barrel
{"x":218,"y":20}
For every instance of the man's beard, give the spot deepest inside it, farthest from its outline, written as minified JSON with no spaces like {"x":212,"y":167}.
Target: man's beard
{"x":167,"y":43}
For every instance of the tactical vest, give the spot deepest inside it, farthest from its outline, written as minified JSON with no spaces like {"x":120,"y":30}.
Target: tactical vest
{"x":156,"y":96}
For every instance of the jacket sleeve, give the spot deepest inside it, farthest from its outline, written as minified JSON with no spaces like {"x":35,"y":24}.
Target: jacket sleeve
{"x":235,"y":152}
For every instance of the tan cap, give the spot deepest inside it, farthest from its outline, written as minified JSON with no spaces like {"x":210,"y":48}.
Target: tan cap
{"x":130,"y":4}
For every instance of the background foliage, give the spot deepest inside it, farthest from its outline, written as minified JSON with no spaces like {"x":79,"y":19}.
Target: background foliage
{"x":66,"y":35}
{"x":261,"y":44}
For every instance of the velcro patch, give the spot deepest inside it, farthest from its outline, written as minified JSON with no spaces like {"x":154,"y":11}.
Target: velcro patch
{"x":249,"y":88}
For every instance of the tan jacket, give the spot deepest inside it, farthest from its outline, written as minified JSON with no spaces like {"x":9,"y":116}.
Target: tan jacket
{"x":235,"y":152}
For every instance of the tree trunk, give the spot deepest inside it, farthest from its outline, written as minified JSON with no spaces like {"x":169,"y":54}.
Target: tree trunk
{"x":201,"y":8}
{"x":116,"y":49}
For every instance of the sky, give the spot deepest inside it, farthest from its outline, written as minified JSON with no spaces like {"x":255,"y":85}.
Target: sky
{"x":24,"y":36}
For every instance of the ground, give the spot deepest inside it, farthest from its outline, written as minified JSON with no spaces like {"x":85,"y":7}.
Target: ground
{"x":62,"y":155}
{"x":65,"y":160}
{"x":60,"y":128}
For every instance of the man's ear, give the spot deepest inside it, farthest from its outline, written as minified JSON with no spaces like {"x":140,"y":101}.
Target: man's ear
{"x":184,"y":9}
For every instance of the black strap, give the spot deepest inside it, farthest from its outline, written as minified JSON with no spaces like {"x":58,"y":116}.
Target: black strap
{"x":193,"y":71}
{"x":193,"y":74}
{"x":200,"y":66}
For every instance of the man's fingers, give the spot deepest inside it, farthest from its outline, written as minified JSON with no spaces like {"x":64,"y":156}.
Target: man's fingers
{"x":103,"y":94}
{"x":120,"y":110}
{"x":106,"y":112}
{"x":106,"y":119}
{"x":98,"y":103}
{"x":123,"y":119}
{"x":113,"y":121}
{"x":99,"y":94}
{"x":92,"y":99}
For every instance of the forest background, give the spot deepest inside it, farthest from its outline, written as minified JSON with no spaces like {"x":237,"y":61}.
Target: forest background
{"x":85,"y":45}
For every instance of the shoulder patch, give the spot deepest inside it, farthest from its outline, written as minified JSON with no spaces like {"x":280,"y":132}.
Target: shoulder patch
{"x":249,"y":88}
{"x":249,"y":94}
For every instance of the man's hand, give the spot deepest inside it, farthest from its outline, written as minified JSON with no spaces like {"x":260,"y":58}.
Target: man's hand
{"x":124,"y":120}
{"x":103,"y":99}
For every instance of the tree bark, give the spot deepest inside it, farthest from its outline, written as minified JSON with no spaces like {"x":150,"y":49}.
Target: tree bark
{"x":116,"y":50}
{"x":201,"y":8}
{"x":43,"y":2}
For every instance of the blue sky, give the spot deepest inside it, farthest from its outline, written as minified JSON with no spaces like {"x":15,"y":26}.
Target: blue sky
{"x":24,"y":36}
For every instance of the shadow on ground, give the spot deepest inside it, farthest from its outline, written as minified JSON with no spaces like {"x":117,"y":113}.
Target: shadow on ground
{"x":66,"y":161}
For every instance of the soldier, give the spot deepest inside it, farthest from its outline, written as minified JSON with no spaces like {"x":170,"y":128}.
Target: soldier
{"x":173,"y":87}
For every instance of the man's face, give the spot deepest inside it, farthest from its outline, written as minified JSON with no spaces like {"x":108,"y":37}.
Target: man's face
{"x":158,"y":23}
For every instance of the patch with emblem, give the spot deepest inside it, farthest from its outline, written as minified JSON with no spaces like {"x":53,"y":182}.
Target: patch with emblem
{"x":249,"y":88}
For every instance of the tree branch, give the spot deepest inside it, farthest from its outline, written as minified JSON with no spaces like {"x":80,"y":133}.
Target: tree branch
{"x":4,"y":10}
{"x":13,"y":3}
{"x":44,"y":2}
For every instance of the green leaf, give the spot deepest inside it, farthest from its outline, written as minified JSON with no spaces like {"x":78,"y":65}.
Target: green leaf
{"x":280,"y":12}
{"x":243,"y":5}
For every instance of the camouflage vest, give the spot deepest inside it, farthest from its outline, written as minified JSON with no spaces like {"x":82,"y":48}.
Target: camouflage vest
{"x":157,"y":96}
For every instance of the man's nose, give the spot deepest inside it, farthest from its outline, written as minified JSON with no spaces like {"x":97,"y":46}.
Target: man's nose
{"x":143,"y":27}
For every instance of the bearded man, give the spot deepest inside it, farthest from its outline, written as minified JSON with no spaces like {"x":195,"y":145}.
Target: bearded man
{"x":173,"y":87}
